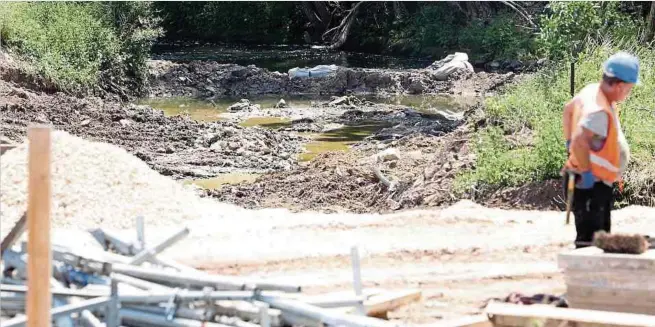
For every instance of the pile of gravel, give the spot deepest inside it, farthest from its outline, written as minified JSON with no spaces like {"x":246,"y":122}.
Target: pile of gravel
{"x":97,"y":185}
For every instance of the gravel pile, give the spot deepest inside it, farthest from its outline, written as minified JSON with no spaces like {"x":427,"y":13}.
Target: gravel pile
{"x":97,"y":185}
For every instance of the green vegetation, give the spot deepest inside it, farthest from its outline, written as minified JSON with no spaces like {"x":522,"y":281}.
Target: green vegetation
{"x":523,"y":141}
{"x":82,"y":47}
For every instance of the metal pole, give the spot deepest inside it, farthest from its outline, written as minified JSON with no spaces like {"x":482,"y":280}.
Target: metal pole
{"x":572,"y":78}
{"x":357,"y":277}
{"x":92,"y":304}
{"x":264,"y":318}
{"x":186,"y":296}
{"x":141,"y":231}
{"x":325,"y":316}
{"x":131,"y":316}
{"x":144,"y":255}
{"x":139,"y":283}
{"x":89,"y":320}
{"x":112,"y":307}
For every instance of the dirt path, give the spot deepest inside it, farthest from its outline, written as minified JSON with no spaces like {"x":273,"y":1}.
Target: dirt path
{"x":459,"y":256}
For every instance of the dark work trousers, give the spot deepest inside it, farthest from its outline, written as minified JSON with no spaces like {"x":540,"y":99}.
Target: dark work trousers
{"x":591,"y":209}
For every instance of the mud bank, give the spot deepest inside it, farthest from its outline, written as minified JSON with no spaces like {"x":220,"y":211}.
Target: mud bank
{"x":174,"y":146}
{"x":209,"y":79}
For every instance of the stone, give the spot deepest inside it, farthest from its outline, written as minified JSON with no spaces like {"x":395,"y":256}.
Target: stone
{"x":281,"y":104}
{"x":390,"y":154}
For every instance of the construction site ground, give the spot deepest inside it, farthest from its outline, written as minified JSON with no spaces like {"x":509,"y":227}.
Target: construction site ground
{"x":298,"y":221}
{"x":459,"y":256}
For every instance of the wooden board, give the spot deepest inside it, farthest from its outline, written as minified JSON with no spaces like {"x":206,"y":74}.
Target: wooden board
{"x":379,"y":305}
{"x":468,"y":321}
{"x":594,"y":259}
{"x":512,"y":315}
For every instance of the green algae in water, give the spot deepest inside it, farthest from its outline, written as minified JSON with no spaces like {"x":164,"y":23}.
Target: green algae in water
{"x":224,"y":179}
{"x":266,"y":122}
{"x":197,"y":109}
{"x":339,"y":139}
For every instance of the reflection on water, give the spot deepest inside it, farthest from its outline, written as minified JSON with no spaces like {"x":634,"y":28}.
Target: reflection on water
{"x":204,"y":110}
{"x":224,"y":179}
{"x":339,"y":139}
{"x":197,"y":109}
{"x":267,"y":122}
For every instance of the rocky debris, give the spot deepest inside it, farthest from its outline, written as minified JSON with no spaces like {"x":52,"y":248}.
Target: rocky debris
{"x":346,"y":181}
{"x":281,"y":104}
{"x":209,"y":79}
{"x":390,"y":154}
{"x":174,"y":146}
{"x":244,"y":105}
{"x":97,"y":184}
{"x":455,"y":65}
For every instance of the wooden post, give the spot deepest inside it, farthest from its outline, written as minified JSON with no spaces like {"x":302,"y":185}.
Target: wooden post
{"x":39,"y":266}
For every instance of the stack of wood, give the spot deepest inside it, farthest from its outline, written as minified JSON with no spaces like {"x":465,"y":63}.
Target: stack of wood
{"x":130,"y":284}
{"x":617,"y":282}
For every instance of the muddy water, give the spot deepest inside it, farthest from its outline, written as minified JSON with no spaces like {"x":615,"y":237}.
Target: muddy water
{"x":339,"y":139}
{"x":205,"y":110}
{"x":224,"y":179}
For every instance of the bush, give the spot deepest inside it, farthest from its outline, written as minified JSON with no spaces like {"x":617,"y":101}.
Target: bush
{"x":566,"y":26}
{"x":532,"y":113}
{"x":500,"y":38}
{"x":78,"y":45}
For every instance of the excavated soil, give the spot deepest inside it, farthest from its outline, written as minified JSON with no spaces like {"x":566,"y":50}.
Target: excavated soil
{"x":174,"y":146}
{"x":209,"y":79}
{"x":421,"y":176}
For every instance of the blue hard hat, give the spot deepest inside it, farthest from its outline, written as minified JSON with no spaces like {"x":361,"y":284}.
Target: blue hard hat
{"x":623,"y":66}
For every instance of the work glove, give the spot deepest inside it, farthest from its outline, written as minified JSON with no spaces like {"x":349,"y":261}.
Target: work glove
{"x":586,"y":181}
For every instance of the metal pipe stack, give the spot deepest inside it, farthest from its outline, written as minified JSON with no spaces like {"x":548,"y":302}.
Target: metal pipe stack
{"x":128,"y":285}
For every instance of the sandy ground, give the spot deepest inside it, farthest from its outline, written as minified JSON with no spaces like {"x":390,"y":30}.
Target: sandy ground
{"x":459,"y":257}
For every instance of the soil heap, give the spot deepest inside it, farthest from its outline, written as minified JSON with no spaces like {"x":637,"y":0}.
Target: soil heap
{"x":175,"y":146}
{"x":97,"y":184}
{"x":209,"y":79}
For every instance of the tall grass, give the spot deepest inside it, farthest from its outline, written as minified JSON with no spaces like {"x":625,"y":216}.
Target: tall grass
{"x":74,"y":45}
{"x":524,"y":140}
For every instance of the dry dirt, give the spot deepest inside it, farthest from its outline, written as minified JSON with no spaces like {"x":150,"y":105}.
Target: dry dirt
{"x":459,"y":256}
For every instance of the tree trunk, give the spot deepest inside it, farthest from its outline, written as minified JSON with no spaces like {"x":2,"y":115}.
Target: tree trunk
{"x":341,"y":32}
{"x":650,"y":24}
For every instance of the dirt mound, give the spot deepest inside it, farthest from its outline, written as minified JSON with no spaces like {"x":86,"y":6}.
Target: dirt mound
{"x":97,"y":184}
{"x":176,"y":146}
{"x":421,"y":176}
{"x":210,"y":79}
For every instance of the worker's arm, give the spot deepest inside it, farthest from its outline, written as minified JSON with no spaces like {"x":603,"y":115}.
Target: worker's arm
{"x":566,"y":119}
{"x":591,"y":132}
{"x":581,"y":147}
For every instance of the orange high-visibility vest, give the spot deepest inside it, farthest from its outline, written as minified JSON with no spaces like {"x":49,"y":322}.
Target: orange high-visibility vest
{"x":605,"y":161}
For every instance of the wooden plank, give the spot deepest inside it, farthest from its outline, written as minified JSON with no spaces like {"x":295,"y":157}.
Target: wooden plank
{"x":468,"y":321}
{"x":39,"y":260}
{"x":505,"y":314}
{"x":15,"y":233}
{"x":379,"y":305}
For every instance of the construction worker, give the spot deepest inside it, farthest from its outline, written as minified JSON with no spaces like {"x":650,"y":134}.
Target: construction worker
{"x":597,"y":149}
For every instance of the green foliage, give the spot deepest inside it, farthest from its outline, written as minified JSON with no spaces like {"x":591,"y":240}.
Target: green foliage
{"x":252,"y":22}
{"x":532,"y":111}
{"x":75,"y":44}
{"x":568,"y":25}
{"x":501,"y":38}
